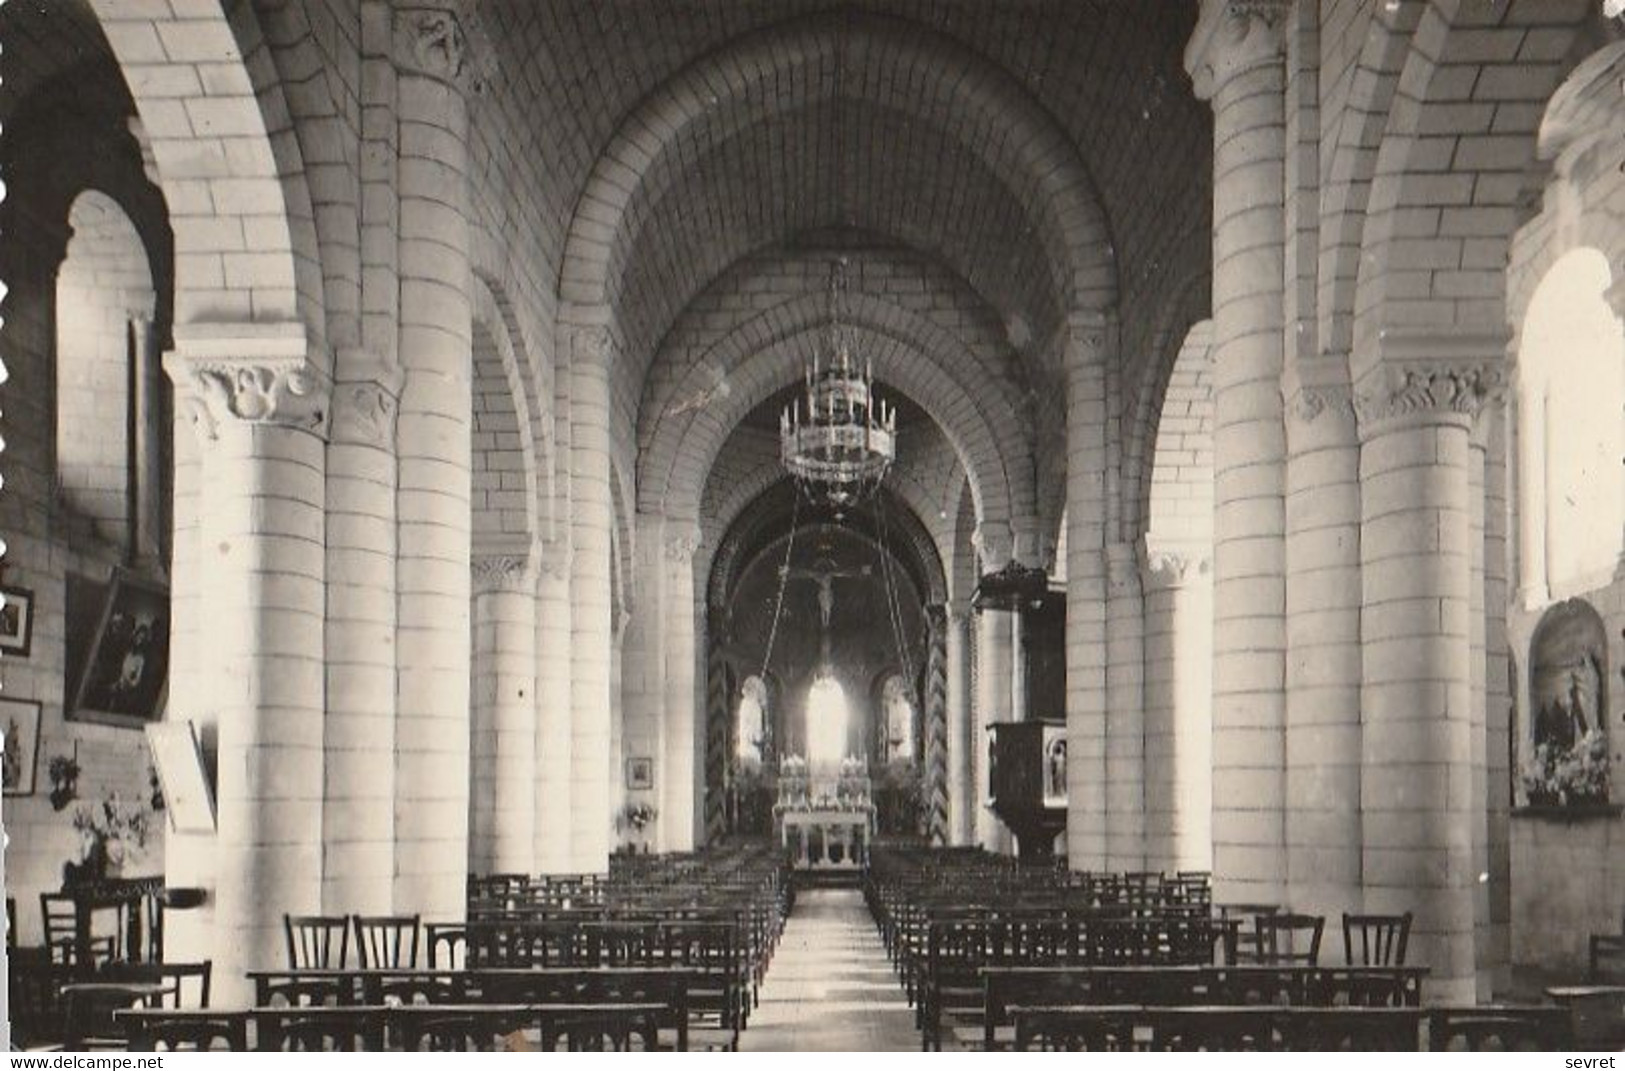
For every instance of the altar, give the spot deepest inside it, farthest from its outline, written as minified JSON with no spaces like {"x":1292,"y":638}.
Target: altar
{"x":825,"y":818}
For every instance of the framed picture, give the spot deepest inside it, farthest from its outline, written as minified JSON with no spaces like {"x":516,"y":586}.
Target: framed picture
{"x":19,"y":720}
{"x":640,"y":773}
{"x":126,"y":662}
{"x":16,"y":622}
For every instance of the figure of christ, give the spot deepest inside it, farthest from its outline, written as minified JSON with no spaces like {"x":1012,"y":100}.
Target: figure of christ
{"x":824,"y":574}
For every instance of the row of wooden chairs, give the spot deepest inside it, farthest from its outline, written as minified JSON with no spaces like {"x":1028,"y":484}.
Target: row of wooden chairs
{"x":323,"y":941}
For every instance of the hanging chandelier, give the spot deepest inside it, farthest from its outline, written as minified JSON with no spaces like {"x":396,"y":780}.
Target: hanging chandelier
{"x":837,"y":440}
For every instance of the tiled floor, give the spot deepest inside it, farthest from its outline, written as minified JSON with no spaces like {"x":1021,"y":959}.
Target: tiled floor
{"x":830,"y":987}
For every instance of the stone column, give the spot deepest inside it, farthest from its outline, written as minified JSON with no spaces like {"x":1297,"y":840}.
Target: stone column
{"x":1498,"y":698}
{"x":592,"y":517}
{"x":1237,"y":60}
{"x":1477,"y":675}
{"x":553,"y":801}
{"x":1533,"y":588}
{"x":1125,"y":705}
{"x":1089,"y":348}
{"x":993,"y":667}
{"x":433,"y":59}
{"x":358,"y":817}
{"x":719,"y":699}
{"x":1323,"y":643}
{"x":503,"y":812}
{"x":259,"y":404}
{"x":146,"y":455}
{"x":1418,"y":755}
{"x":961,"y":780}
{"x":1178,"y":707}
{"x":683,"y":744}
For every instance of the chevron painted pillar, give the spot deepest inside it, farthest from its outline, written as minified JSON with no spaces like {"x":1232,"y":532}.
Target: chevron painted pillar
{"x":934,"y":785}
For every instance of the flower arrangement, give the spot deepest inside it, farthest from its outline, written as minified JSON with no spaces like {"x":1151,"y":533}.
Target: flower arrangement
{"x":1568,"y":776}
{"x":638,"y":816}
{"x":107,"y":832}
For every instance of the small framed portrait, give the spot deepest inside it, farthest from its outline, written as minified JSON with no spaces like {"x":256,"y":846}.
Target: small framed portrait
{"x":126,"y":662}
{"x":16,"y":622}
{"x":19,"y":758}
{"x":640,"y":773}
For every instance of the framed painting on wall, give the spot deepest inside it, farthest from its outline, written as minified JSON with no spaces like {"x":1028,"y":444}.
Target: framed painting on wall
{"x":640,"y":773}
{"x":126,"y":661}
{"x":16,"y":621}
{"x":19,"y":758}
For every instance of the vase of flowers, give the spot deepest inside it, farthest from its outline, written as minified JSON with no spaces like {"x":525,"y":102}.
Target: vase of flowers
{"x":1575,"y":776}
{"x":109,"y":833}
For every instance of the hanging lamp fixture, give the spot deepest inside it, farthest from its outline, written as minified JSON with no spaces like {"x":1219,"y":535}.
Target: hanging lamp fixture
{"x":836,"y":439}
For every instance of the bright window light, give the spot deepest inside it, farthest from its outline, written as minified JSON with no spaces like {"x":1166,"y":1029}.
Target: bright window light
{"x":827,"y":714}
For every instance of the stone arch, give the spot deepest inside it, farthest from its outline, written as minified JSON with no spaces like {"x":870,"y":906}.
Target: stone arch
{"x":1370,"y":86}
{"x":533,"y":407}
{"x":1435,"y":245}
{"x":504,"y":450}
{"x":771,"y":351}
{"x":1184,"y":313}
{"x":105,"y":296}
{"x":979,"y":91}
{"x":1176,"y":498}
{"x":236,"y":192}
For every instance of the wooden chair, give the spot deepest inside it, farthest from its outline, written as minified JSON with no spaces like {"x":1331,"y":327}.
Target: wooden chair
{"x":386,"y":941}
{"x":1245,"y":949}
{"x":168,"y":1030}
{"x":1375,"y":940}
{"x":178,"y":974}
{"x":59,"y":916}
{"x":312,"y":939}
{"x":1288,"y":939}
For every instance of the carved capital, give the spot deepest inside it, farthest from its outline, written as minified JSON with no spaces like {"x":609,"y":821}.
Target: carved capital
{"x":1165,"y":566}
{"x":1091,"y":331}
{"x":366,"y":399}
{"x":255,"y":374}
{"x":444,"y":42}
{"x":501,"y":572}
{"x":554,"y":560}
{"x":1122,"y":568}
{"x":592,"y":346}
{"x":1455,"y":375}
{"x":1308,"y":404}
{"x":682,"y":542}
{"x":994,"y":542}
{"x":1233,"y":36}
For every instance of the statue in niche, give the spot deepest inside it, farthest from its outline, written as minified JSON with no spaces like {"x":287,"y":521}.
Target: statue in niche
{"x":899,"y":709}
{"x":1568,"y":758}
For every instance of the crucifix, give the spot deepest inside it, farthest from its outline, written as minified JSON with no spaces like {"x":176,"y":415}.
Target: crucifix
{"x":824,"y":574}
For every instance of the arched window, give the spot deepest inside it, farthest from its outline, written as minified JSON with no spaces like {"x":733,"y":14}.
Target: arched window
{"x":750,"y":722}
{"x":827,"y":715}
{"x":1571,"y":433}
{"x":108,"y":423}
{"x":898,"y":717}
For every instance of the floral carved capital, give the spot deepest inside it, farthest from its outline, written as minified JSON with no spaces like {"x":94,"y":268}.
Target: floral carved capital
{"x":1445,"y":388}
{"x":501,"y":572}
{"x":263,"y":377}
{"x":591,"y":346}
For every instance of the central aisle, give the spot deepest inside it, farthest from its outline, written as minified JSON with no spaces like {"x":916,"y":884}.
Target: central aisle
{"x":830,"y":986}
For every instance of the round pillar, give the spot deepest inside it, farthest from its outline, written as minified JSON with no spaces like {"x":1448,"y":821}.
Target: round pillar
{"x":503,"y":813}
{"x":592,"y":625}
{"x":1237,"y":61}
{"x":552,"y":799}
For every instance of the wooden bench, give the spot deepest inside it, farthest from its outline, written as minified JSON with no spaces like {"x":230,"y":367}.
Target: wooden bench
{"x":1007,"y":987}
{"x":396,"y":1027}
